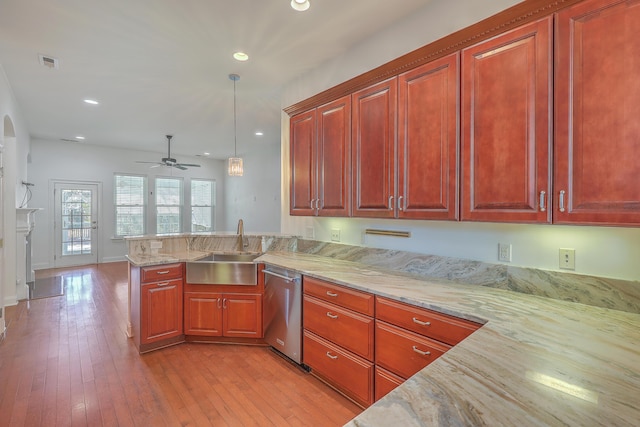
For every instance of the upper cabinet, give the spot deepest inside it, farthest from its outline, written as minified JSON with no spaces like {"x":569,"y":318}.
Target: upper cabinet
{"x":597,"y":135}
{"x":506,"y":128}
{"x":320,"y":160}
{"x":428,"y":140}
{"x":373,"y":139}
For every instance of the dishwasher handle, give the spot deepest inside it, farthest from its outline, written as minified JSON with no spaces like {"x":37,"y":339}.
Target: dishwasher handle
{"x":288,"y":279}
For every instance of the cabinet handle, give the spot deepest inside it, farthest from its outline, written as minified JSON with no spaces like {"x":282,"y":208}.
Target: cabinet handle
{"x":542,"y":206}
{"x":333,"y":316}
{"x":330,"y":356}
{"x":317,"y":204}
{"x":421,"y":323}
{"x":219,"y":300}
{"x":400,"y":200}
{"x":162,"y":272}
{"x":390,"y":203}
{"x":561,"y":204}
{"x":224,"y":303}
{"x":332,"y":294}
{"x":311,"y":203}
{"x":163,"y":283}
{"x":423,"y":353}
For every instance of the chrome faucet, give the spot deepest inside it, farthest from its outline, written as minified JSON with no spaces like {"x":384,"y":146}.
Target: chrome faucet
{"x":243,"y":242}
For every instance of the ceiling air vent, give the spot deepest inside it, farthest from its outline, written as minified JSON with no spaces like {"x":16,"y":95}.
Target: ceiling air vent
{"x":48,"y":61}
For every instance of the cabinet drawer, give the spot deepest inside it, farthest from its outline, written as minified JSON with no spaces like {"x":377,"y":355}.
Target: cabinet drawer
{"x":441,"y":327}
{"x":161,"y":272}
{"x":348,"y":373}
{"x":361,"y":302}
{"x":385,"y":382}
{"x":404,"y":353}
{"x":343,"y":327}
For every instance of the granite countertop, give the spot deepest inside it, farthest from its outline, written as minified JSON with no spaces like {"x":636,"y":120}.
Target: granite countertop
{"x":141,"y":260}
{"x":536,"y":361}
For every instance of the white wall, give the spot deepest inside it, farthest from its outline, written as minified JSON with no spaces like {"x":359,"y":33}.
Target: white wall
{"x":600,"y":251}
{"x":255,"y":197}
{"x":15,"y":152}
{"x":57,"y":160}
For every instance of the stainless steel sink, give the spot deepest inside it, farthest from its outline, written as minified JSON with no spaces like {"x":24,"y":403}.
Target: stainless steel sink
{"x":224,"y":269}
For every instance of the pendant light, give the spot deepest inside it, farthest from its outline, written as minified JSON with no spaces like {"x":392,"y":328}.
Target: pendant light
{"x":235,"y":162}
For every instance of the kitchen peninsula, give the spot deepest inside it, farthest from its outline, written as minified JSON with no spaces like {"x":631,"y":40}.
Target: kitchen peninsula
{"x":535,"y":361}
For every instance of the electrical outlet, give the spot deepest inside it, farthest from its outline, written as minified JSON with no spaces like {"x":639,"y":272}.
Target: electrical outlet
{"x":335,"y":234}
{"x":567,"y":259}
{"x":156,"y":244}
{"x":504,"y":252}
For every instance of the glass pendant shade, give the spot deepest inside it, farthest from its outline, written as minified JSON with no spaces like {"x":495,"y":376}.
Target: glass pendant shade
{"x":235,"y":166}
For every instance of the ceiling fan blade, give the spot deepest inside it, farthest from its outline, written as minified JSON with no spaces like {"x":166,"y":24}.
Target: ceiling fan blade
{"x":192,"y":165}
{"x":155,"y":163}
{"x":179,"y":166}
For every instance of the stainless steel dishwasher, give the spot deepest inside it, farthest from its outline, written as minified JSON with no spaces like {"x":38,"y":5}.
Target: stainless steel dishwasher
{"x":283,"y":311}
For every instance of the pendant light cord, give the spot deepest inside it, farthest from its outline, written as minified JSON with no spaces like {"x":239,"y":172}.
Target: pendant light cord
{"x":235,"y":125}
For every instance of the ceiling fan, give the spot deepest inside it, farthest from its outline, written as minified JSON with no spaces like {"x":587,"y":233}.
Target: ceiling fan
{"x":169,"y":161}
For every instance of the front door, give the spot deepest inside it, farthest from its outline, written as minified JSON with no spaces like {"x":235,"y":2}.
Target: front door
{"x":75,"y":224}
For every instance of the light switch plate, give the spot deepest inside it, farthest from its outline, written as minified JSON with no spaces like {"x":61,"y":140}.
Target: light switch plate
{"x":567,"y":259}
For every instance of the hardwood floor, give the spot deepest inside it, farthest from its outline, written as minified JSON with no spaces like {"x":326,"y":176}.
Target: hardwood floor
{"x":65,"y":361}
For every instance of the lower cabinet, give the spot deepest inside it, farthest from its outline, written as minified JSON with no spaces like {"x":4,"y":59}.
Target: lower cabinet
{"x":385,"y":382}
{"x":338,"y":338}
{"x":161,"y":311}
{"x":222,"y":314}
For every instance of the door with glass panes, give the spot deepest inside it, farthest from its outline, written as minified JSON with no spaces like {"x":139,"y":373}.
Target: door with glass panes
{"x":75,"y":224}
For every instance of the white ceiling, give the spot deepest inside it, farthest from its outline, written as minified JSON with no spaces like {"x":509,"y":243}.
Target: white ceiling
{"x":161,"y":66}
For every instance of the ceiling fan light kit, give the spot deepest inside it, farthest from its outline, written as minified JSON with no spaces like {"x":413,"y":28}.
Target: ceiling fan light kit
{"x":235,"y":163}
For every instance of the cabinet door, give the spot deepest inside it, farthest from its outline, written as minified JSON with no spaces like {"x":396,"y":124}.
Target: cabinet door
{"x":334,"y":157}
{"x":161,"y":311}
{"x":203,"y":314}
{"x":506,"y":95}
{"x":597,"y":108}
{"x":428,"y":140}
{"x":303,"y":173}
{"x":242,"y":315}
{"x":373,"y":139}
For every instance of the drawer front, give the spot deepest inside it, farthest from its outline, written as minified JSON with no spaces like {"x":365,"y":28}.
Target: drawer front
{"x":158,"y":273}
{"x":346,"y":328}
{"x":441,"y":327}
{"x":347,"y":372}
{"x":404,"y":353}
{"x":385,"y":382}
{"x":352,"y":299}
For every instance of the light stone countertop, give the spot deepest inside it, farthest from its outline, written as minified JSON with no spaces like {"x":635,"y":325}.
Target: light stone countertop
{"x":535,"y":362}
{"x":141,"y":260}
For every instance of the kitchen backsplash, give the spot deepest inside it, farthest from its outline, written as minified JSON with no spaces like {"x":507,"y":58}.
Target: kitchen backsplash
{"x":615,"y":294}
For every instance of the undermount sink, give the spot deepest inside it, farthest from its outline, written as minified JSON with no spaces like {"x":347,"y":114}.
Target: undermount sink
{"x":224,"y":269}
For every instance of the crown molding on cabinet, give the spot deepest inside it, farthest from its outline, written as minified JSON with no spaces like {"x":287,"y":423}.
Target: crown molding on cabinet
{"x":519,"y":14}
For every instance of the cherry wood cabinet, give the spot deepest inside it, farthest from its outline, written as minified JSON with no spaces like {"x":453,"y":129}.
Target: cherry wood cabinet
{"x":506,"y":126}
{"x":385,"y":381}
{"x":428,"y":140}
{"x":373,"y":149}
{"x":156,"y":305}
{"x":597,"y":105}
{"x":338,"y":339}
{"x":320,"y":142}
{"x":203,"y":314}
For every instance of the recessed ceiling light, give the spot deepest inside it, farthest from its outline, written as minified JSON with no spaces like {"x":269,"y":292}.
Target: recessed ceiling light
{"x":91,"y":101}
{"x":300,"y":5}
{"x":207,"y":154}
{"x":241,"y":56}
{"x":80,"y":138}
{"x":259,"y":133}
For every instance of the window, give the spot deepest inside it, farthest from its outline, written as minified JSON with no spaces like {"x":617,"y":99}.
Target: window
{"x":168,"y":205}
{"x":129,"y":194}
{"x":203,"y":196}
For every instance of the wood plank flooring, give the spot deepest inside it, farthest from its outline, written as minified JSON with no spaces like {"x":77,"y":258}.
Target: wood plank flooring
{"x":65,"y":361}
